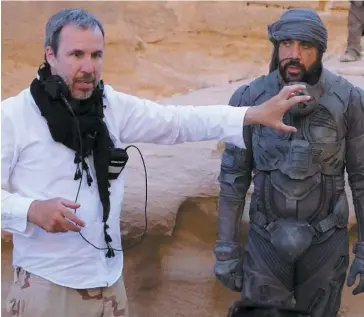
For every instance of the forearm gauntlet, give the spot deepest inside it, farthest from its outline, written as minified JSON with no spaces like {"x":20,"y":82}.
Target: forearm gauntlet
{"x":359,"y":212}
{"x":235,"y":179}
{"x":229,"y":220}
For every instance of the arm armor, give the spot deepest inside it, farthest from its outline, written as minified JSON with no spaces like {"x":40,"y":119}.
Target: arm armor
{"x":234,"y":178}
{"x":355,"y":155}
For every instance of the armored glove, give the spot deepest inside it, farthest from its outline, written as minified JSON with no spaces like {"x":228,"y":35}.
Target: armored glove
{"x":228,"y":267}
{"x":357,"y":268}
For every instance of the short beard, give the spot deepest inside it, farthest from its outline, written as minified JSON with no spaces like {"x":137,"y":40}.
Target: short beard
{"x":81,"y":95}
{"x":310,"y":75}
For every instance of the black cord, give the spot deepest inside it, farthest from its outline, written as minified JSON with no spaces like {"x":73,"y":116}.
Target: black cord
{"x":82,"y":171}
{"x":142,"y":236}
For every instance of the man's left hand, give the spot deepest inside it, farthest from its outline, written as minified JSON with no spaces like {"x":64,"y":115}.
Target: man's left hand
{"x":357,"y":269}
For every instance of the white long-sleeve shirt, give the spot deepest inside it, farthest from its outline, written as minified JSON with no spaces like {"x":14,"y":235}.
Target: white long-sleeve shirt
{"x":35,"y":167}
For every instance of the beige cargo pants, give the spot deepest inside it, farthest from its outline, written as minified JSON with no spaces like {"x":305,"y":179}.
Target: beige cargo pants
{"x":33,"y":296}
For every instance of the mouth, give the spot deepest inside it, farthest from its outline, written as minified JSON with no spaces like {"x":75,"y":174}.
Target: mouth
{"x":294,"y":70}
{"x":84,"y":84}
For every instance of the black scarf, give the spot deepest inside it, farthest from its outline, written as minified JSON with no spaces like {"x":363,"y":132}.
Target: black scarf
{"x":47,"y":92}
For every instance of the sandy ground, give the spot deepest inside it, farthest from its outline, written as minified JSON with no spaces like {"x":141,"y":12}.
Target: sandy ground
{"x":155,"y":50}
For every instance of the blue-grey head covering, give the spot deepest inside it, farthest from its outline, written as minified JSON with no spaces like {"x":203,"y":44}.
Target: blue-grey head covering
{"x":301,"y":24}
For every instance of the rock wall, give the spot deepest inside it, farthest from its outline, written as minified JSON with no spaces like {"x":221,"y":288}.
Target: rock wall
{"x":156,"y":50}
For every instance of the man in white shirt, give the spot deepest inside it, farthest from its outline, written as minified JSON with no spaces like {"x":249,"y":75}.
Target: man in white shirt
{"x":61,"y":160}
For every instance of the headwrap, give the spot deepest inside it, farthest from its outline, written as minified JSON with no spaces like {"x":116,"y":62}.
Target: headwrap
{"x":301,"y":24}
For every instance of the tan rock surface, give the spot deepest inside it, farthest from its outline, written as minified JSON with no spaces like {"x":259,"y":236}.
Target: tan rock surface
{"x":156,"y":50}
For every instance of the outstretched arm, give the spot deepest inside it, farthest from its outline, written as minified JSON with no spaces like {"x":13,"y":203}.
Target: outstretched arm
{"x":149,"y":122}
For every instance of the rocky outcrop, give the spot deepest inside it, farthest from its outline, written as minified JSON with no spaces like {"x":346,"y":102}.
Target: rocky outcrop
{"x":157,"y":49}
{"x":179,"y":48}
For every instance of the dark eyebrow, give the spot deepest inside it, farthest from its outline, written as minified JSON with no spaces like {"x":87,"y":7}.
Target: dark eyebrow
{"x":81,"y":52}
{"x":76,"y":51}
{"x":98,"y":52}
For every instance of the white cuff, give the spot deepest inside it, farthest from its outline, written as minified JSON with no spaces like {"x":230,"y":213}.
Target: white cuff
{"x":14,"y":215}
{"x":234,"y":126}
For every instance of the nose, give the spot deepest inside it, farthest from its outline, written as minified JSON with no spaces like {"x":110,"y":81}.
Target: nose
{"x":296,"y":51}
{"x":87,"y":65}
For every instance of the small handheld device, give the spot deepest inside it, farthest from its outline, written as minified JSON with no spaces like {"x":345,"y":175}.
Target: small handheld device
{"x":304,"y":108}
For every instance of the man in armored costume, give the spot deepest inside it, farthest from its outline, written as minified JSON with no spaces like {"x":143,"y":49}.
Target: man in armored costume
{"x":297,"y":249}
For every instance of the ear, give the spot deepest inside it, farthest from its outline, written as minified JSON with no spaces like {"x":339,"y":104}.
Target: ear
{"x":50,"y":56}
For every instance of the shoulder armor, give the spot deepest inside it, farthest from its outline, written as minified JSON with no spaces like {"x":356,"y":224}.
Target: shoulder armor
{"x":338,"y":86}
{"x":236,"y":98}
{"x":263,"y":85}
{"x":259,"y":86}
